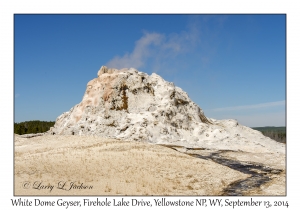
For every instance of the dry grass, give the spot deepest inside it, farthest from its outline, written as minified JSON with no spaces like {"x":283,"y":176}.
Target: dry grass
{"x":113,"y":167}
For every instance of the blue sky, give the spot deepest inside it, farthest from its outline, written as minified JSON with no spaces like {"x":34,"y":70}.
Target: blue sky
{"x":232,"y":66}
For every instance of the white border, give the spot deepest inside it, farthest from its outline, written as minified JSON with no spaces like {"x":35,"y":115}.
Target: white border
{"x":9,"y":8}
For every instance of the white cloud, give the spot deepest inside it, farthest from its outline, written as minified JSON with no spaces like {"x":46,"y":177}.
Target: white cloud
{"x":254,"y":106}
{"x":255,"y":115}
{"x":140,"y":53}
{"x":157,"y":46}
{"x":261,"y":120}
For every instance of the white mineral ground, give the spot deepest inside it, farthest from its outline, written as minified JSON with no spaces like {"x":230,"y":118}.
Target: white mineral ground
{"x":109,"y":141}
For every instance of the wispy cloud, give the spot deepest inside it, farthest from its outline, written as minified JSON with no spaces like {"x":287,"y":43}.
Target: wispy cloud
{"x":158,"y":47}
{"x":140,"y":53}
{"x":263,"y":119}
{"x":254,"y":106}
{"x":17,"y":95}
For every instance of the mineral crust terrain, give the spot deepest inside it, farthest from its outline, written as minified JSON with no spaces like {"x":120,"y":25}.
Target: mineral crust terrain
{"x":137,"y":134}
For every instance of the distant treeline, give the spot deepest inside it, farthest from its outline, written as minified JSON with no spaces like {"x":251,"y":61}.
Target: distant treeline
{"x":276,"y":133}
{"x":34,"y":126}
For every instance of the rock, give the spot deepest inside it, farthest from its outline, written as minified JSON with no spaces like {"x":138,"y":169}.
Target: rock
{"x":128,"y":104}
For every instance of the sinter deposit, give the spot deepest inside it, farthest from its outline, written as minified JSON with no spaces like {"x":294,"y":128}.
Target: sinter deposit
{"x":128,"y":104}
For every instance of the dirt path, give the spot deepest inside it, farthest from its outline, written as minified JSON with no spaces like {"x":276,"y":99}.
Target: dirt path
{"x":261,"y":175}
